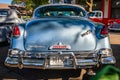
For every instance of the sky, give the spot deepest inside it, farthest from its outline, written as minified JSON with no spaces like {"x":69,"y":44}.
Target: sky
{"x":6,"y":1}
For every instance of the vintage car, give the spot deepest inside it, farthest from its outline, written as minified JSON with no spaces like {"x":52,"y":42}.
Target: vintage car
{"x":96,"y":16}
{"x":60,"y":36}
{"x":114,"y":25}
{"x":8,"y":17}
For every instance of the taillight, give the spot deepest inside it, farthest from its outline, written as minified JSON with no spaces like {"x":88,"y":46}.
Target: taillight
{"x":118,"y":21}
{"x":16,"y":31}
{"x":104,"y":30}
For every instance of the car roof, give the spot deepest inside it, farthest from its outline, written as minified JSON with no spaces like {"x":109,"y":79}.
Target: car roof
{"x":46,"y":5}
{"x":60,"y":5}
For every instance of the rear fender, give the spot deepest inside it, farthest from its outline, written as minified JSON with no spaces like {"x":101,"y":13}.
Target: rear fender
{"x":18,"y":42}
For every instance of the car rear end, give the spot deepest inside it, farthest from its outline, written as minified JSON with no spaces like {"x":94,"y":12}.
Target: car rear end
{"x":8,"y":17}
{"x":114,"y":25}
{"x":64,"y":43}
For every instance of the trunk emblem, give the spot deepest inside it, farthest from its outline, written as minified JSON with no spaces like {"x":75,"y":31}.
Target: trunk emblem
{"x":86,"y":33}
{"x":60,"y":46}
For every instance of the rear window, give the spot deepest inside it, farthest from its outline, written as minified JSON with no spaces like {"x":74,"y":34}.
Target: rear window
{"x":60,"y":11}
{"x":4,"y":13}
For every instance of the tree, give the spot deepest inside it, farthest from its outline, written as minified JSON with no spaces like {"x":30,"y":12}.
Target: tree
{"x":30,"y":4}
{"x":88,"y":2}
{"x":39,"y":2}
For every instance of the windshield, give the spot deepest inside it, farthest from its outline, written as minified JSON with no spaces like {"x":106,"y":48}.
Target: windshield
{"x":60,"y":11}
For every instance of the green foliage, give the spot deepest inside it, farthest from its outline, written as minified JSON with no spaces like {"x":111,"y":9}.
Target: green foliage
{"x":37,"y":3}
{"x":83,"y":2}
{"x":30,"y":4}
{"x":86,"y":3}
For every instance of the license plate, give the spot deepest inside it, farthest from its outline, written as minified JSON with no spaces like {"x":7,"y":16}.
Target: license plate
{"x":56,"y":61}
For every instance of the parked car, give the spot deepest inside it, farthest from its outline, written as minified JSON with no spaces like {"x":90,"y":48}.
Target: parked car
{"x":8,"y":17}
{"x":114,"y":25}
{"x":96,"y":16}
{"x":60,"y":36}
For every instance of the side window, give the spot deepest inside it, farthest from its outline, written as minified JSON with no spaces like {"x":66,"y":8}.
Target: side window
{"x":91,"y":14}
{"x":98,"y":14}
{"x":95,"y":14}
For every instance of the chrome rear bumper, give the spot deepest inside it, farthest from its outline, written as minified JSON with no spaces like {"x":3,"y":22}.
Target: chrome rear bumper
{"x":66,"y":60}
{"x":42,"y":64}
{"x":116,"y":29}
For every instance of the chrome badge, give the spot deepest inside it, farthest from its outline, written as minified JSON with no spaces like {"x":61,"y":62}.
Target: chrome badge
{"x":60,"y":46}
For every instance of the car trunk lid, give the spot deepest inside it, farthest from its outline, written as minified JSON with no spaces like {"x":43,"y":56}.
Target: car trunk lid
{"x":60,"y":34}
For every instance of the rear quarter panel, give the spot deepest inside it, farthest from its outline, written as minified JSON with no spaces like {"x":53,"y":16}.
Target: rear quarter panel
{"x":18,"y":42}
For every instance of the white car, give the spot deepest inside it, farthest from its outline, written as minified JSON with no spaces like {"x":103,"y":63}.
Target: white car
{"x":8,"y":17}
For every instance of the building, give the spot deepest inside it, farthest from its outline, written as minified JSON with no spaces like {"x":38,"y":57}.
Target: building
{"x":4,"y":5}
{"x":111,"y":10}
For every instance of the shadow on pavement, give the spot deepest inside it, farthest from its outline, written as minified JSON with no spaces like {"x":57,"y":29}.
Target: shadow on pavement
{"x":34,"y":74}
{"x":3,"y":44}
{"x":116,"y":53}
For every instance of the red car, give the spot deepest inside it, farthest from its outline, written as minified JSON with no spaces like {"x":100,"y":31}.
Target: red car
{"x":112,"y":24}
